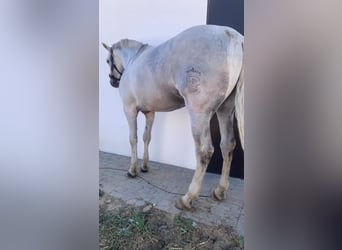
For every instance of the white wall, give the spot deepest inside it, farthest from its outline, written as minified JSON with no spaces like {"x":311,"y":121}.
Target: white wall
{"x":153,"y":22}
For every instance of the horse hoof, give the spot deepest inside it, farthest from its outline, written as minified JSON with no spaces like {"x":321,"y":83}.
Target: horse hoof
{"x":131,"y":175}
{"x":182,"y":206}
{"x":144,"y":170}
{"x":220,"y":196}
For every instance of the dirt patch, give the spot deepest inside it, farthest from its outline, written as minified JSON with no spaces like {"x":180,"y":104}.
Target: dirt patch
{"x":123,"y":226}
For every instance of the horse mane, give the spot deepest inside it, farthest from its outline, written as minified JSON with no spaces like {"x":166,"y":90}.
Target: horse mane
{"x":127,"y":43}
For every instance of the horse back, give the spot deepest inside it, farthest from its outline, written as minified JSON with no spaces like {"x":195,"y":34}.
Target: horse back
{"x":193,"y":62}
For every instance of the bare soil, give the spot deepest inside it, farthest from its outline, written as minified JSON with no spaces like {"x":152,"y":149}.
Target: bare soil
{"x":123,"y":226}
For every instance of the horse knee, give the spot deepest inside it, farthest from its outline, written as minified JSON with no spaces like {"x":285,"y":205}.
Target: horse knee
{"x":133,"y":140}
{"x":227,"y":146}
{"x":206,"y":154}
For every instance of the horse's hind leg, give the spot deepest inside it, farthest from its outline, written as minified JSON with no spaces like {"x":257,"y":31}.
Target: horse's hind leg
{"x":225,"y":115}
{"x":147,"y":138}
{"x":200,"y":124}
{"x":131,"y":115}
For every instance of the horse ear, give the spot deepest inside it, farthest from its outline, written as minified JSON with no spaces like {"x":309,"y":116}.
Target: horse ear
{"x":106,"y":46}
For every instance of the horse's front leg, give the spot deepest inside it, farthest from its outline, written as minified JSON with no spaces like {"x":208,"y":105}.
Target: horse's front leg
{"x":200,"y":124}
{"x":131,"y":115}
{"x":147,"y":138}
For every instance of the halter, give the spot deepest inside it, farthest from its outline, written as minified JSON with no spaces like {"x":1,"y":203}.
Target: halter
{"x":112,"y":67}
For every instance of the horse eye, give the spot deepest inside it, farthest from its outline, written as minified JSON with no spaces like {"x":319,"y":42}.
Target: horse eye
{"x":107,"y":61}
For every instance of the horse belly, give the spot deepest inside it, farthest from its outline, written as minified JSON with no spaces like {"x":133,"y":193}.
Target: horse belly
{"x":160,"y":101}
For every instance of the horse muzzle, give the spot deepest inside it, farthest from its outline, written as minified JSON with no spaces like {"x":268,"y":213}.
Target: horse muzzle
{"x":114,"y":81}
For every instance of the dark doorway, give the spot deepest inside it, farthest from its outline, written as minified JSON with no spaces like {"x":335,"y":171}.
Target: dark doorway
{"x":228,"y":13}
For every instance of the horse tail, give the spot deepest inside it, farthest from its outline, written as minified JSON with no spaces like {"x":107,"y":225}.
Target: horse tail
{"x":239,"y":105}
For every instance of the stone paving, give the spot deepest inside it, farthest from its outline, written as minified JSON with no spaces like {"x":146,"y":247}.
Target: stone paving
{"x":164,"y":184}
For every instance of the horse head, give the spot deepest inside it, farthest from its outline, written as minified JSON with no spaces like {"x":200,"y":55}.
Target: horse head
{"x":119,"y":55}
{"x":113,"y":62}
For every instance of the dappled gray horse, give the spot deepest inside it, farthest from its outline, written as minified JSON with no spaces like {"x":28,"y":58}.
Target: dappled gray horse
{"x":201,"y":69}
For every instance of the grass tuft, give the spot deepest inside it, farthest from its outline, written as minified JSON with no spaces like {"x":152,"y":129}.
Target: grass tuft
{"x":185,"y":225}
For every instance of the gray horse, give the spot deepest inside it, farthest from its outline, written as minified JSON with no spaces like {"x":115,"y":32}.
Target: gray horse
{"x":201,"y":69}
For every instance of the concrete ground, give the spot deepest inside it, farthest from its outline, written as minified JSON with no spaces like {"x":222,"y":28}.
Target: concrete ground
{"x":164,"y":184}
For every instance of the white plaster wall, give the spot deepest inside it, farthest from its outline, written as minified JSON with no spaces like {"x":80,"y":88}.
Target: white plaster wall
{"x":153,"y":22}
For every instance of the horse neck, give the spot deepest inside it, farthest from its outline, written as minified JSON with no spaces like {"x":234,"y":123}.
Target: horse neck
{"x":129,"y":53}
